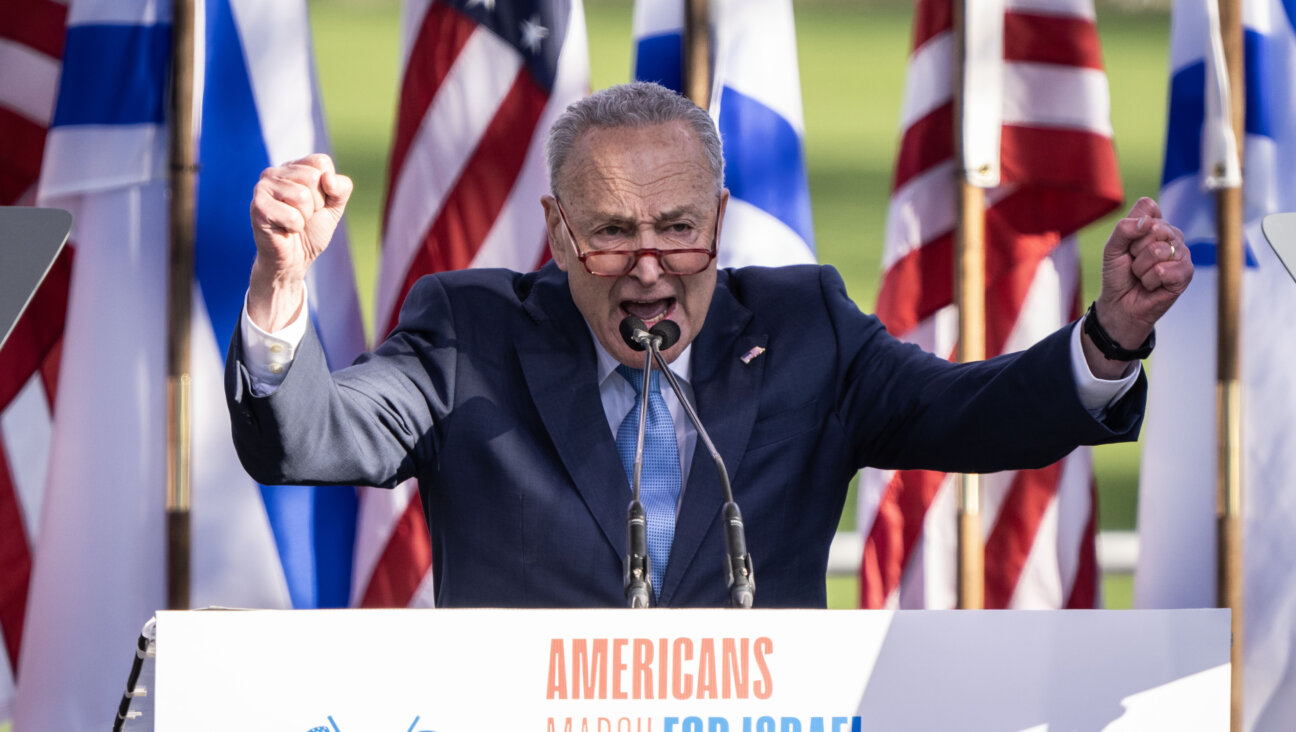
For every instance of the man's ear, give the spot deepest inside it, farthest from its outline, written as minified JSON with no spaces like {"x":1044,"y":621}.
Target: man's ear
{"x":559,"y":249}
{"x":724,"y":204}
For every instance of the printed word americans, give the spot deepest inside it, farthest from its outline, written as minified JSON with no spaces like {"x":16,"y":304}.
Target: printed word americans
{"x":660,"y":668}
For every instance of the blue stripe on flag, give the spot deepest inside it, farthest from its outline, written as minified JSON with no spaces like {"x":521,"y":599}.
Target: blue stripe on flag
{"x":1290,"y":7}
{"x":764,"y":161}
{"x":314,"y":528}
{"x":1205,"y":254}
{"x":1260,"y":63}
{"x":232,"y":154}
{"x":1188,"y":106}
{"x":1184,"y":122}
{"x":114,"y":75}
{"x":660,"y":59}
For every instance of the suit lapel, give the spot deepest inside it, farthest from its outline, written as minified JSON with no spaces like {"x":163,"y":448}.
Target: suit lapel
{"x":726,"y":391}
{"x":559,"y":365}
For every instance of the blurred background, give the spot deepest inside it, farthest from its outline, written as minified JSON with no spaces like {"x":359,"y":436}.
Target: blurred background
{"x":852,"y":56}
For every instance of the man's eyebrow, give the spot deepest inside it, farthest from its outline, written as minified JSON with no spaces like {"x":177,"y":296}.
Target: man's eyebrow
{"x":688,"y":212}
{"x":679,"y":212}
{"x":606,"y":217}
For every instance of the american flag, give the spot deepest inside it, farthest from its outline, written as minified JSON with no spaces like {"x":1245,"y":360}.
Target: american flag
{"x":483,"y":81}
{"x":1058,"y":173}
{"x":31,"y":49}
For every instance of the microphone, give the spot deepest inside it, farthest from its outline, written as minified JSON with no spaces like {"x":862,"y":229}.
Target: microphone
{"x":668,"y":331}
{"x":637,"y":580}
{"x":740,"y":574}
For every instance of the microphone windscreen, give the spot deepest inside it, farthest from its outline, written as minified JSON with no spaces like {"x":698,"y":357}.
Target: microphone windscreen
{"x":629,"y":324}
{"x":668,"y":331}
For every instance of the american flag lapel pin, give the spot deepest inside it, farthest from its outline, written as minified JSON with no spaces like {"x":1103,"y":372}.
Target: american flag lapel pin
{"x":753,"y":353}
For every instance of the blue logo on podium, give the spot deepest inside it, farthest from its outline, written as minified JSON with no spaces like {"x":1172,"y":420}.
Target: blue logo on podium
{"x":333,"y":726}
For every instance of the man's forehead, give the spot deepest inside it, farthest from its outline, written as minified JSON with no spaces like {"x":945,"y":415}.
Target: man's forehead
{"x":612,"y":167}
{"x":637,"y":150}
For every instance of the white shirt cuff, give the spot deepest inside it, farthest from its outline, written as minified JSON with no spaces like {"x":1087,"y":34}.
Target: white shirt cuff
{"x":1097,"y":394}
{"x":268,"y":356}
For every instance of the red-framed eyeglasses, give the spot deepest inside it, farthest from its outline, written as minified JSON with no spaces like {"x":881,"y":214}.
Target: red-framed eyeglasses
{"x":681,"y":260}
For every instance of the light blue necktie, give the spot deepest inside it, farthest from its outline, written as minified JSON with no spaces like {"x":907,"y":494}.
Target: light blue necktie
{"x":659,"y":484}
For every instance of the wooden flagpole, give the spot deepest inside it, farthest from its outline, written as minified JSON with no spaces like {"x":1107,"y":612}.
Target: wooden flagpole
{"x":969,"y":297}
{"x":1228,"y":388}
{"x":183,"y":176}
{"x":697,"y":52}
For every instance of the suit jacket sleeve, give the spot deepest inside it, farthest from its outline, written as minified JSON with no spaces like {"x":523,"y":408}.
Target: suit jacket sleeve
{"x":369,"y":424}
{"x":905,"y":408}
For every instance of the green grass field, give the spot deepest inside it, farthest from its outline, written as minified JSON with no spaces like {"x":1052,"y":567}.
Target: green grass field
{"x":852,"y":58}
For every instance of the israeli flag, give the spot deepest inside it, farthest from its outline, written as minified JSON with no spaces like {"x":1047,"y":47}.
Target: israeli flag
{"x":756,"y":102}
{"x":1177,"y":500}
{"x":261,"y":107}
{"x":100,"y":565}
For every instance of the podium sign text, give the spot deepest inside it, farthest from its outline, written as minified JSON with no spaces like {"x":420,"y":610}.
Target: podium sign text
{"x":691,"y":670}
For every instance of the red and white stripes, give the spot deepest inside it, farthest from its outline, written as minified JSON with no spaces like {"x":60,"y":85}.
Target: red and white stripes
{"x":1058,"y":173}
{"x":31,"y":49}
{"x":466,"y":174}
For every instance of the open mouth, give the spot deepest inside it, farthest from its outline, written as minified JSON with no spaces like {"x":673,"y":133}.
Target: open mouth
{"x":651,"y":312}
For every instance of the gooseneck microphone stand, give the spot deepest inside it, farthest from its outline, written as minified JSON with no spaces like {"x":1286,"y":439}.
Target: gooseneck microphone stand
{"x":637,"y":581}
{"x":740,"y":574}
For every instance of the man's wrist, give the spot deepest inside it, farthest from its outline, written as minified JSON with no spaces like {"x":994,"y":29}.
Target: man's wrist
{"x":1099,"y":382}
{"x":1111,"y":346}
{"x":275,"y":298}
{"x":267,"y":355}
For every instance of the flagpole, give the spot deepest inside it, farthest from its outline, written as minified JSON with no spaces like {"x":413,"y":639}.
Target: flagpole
{"x":697,"y":52}
{"x":1231,"y":260}
{"x":969,"y":298}
{"x":183,"y":176}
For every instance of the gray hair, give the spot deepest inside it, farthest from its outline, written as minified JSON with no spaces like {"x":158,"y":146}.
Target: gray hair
{"x":637,"y":104}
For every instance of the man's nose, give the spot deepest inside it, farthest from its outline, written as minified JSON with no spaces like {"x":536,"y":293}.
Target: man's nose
{"x":647,"y":267}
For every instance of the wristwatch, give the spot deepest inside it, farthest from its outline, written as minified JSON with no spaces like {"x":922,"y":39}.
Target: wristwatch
{"x":1111,"y":350}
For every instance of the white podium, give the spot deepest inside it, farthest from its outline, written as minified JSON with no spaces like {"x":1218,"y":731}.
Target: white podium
{"x":691,"y":670}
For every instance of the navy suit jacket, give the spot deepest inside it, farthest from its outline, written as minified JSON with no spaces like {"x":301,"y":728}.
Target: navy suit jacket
{"x":486,"y":393}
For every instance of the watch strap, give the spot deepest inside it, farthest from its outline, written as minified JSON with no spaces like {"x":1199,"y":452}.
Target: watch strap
{"x":1110,"y":349}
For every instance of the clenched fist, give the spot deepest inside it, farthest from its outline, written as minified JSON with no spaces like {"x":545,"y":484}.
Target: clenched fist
{"x":295,"y":209}
{"x":1146,"y":267}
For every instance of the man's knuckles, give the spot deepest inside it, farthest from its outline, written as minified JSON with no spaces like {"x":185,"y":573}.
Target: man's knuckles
{"x":1145,"y":207}
{"x":337,"y":188}
{"x":318,"y":161}
{"x":304,"y":198}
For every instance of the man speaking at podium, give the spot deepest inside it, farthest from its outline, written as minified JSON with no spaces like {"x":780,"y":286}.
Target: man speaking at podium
{"x":514,"y":399}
